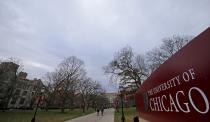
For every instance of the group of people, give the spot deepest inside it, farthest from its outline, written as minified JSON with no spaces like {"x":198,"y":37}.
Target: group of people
{"x":100,"y":109}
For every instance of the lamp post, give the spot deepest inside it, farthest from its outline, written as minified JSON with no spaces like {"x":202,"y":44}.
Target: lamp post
{"x":33,"y":119}
{"x":121,"y":92}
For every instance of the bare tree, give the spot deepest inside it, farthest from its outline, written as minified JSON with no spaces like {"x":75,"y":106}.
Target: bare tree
{"x":127,"y":67}
{"x":169,"y":47}
{"x":66,"y":77}
{"x":49,"y":89}
{"x":155,"y":58}
{"x":88,"y":90}
{"x":84,"y":87}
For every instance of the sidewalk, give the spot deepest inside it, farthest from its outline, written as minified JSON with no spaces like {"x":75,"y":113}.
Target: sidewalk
{"x":107,"y":117}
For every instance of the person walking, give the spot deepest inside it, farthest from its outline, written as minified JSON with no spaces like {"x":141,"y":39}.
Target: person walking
{"x":97,"y":111}
{"x":102,"y":110}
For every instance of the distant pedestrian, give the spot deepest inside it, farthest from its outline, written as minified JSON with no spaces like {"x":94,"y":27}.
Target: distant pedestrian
{"x":97,"y":111}
{"x":117,"y":109}
{"x":102,"y":110}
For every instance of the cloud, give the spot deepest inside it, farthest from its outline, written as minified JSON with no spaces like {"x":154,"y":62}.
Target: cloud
{"x":37,"y":65}
{"x":43,"y":32}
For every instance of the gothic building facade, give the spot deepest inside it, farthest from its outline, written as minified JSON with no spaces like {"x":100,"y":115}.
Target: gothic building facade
{"x":16,"y":91}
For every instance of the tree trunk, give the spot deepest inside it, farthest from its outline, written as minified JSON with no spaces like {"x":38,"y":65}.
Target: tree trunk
{"x":62,"y":110}
{"x":72,"y":104}
{"x":83,"y":109}
{"x":88,"y":105}
{"x":83,"y":106}
{"x":62,"y":105}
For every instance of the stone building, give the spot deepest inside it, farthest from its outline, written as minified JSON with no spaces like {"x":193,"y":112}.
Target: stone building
{"x":8,"y":77}
{"x":25,"y":93}
{"x":16,"y":91}
{"x":111,"y":97}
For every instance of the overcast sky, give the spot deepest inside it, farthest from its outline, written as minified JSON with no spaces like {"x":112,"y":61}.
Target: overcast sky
{"x":43,"y":32}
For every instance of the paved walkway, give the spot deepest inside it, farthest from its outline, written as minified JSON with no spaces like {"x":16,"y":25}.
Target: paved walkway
{"x":107,"y":117}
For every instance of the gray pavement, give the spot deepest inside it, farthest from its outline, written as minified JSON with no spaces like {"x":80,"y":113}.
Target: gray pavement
{"x":107,"y":117}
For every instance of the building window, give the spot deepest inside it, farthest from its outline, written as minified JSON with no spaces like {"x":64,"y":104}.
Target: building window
{"x":33,"y":93}
{"x":22,"y":100}
{"x":24,"y":93}
{"x":24,"y":86}
{"x":13,"y":101}
{"x":17,"y":92}
{"x":28,"y":87}
{"x":1,"y":90}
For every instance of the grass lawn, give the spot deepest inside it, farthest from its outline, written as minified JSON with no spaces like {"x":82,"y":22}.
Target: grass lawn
{"x":130,"y":113}
{"x":42,"y":116}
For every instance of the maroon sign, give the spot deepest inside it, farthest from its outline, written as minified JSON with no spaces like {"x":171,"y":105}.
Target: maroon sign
{"x":179,"y":90}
